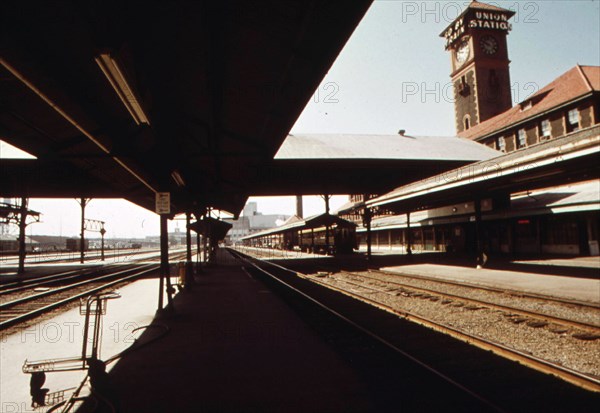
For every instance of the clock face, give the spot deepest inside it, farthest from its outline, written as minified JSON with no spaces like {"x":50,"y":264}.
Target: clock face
{"x":462,"y":52}
{"x":489,"y":45}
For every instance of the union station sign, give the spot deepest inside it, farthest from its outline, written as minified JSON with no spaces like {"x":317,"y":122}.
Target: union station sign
{"x":477,"y":20}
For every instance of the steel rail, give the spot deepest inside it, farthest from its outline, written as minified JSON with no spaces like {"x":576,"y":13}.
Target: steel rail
{"x":577,"y":378}
{"x":572,"y":376}
{"x":41,"y":310}
{"x":95,"y":256}
{"x":372,"y":334}
{"x":6,"y":287}
{"x":546,"y":317}
{"x":10,"y":304}
{"x":51,"y":279}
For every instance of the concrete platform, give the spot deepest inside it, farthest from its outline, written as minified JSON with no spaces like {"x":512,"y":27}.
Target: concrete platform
{"x":569,"y":287}
{"x":234,"y":346}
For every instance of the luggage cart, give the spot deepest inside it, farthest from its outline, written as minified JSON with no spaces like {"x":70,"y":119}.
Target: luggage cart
{"x":92,"y":308}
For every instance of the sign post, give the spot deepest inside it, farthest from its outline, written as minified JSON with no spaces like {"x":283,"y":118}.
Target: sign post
{"x":163,"y":203}
{"x":163,"y":208}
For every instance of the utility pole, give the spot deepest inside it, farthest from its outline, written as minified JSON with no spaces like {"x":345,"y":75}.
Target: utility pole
{"x":102,"y":232}
{"x":18,"y":214}
{"x":22,"y":225}
{"x":96,"y":226}
{"x":83,"y":202}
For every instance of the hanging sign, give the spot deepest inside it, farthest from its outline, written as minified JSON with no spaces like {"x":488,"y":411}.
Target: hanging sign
{"x":163,"y":203}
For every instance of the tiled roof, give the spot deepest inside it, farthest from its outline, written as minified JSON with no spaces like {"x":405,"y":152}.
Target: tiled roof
{"x":576,"y":83}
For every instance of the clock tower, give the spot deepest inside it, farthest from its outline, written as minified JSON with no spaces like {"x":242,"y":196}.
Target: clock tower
{"x":477,"y":41}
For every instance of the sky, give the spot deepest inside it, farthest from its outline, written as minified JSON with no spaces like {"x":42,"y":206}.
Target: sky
{"x":392,"y":74}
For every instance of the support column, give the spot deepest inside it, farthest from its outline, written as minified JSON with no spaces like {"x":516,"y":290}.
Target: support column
{"x":22,"y":227}
{"x":299,"y":206}
{"x":164,"y":265}
{"x":189,"y":270}
{"x":326,"y":197}
{"x":205,"y":234}
{"x":367,"y":217}
{"x":481,"y":258}
{"x":205,"y":247}
{"x":198,"y":250}
{"x":408,"y":235}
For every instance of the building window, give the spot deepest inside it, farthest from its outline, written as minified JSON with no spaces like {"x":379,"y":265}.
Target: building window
{"x":545,"y":129}
{"x":493,"y":79}
{"x":467,"y":122}
{"x":463,"y":86}
{"x":573,"y":120}
{"x":501,"y":144}
{"x":522,"y":138}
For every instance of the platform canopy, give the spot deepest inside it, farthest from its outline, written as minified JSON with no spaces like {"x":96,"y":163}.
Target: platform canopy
{"x":362,"y":163}
{"x":125,"y":99}
{"x":568,"y":159}
{"x":211,"y":227}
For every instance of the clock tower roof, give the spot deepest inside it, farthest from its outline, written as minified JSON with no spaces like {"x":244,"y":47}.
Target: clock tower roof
{"x":484,"y":6}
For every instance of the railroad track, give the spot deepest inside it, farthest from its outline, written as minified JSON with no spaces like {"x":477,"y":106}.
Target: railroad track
{"x":15,"y":286}
{"x":90,"y":258}
{"x":580,"y":379}
{"x":25,"y":308}
{"x":29,"y":284}
{"x":79,"y":285}
{"x":412,"y":290}
{"x":570,"y":375}
{"x":357,"y":330}
{"x":75,"y":257}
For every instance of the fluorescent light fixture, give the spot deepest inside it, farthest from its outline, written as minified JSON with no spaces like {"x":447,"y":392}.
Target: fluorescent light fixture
{"x":177,"y":178}
{"x":115,"y":76}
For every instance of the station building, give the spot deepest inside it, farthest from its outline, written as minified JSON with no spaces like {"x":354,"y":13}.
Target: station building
{"x":556,"y":219}
{"x":250,"y":222}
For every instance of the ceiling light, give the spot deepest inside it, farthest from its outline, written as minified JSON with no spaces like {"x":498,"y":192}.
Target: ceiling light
{"x":177,"y":178}
{"x":115,"y":76}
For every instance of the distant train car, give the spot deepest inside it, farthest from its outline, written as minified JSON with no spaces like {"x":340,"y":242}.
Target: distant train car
{"x":322,"y":234}
{"x":341,"y":239}
{"x":74,"y":243}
